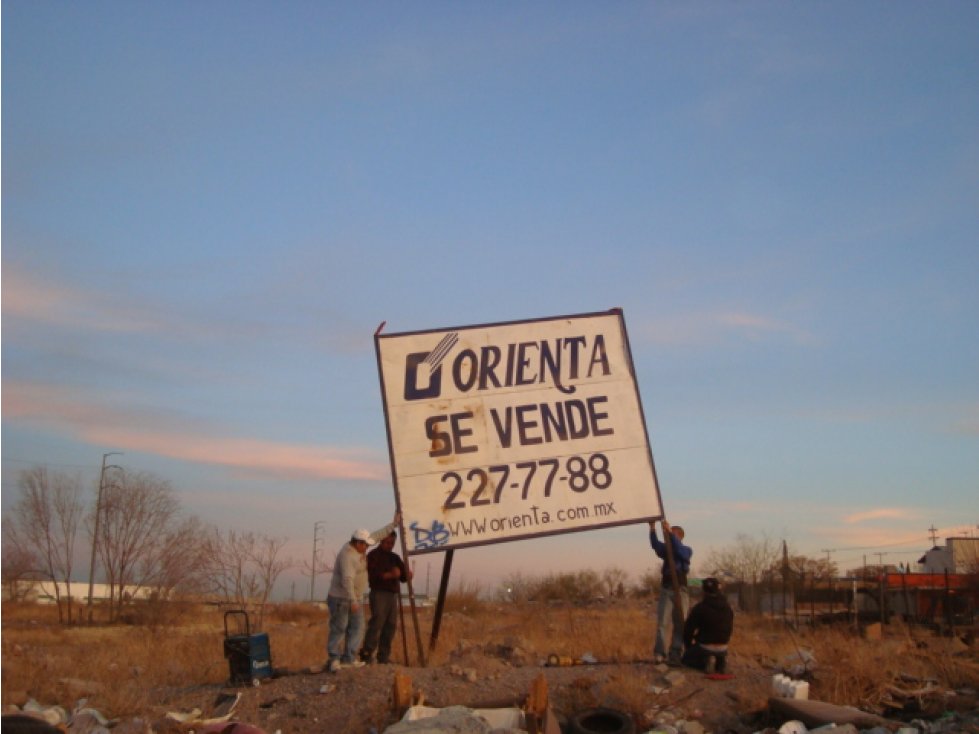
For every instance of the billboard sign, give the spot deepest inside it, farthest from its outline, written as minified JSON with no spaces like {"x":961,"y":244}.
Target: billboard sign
{"x":513,"y":430}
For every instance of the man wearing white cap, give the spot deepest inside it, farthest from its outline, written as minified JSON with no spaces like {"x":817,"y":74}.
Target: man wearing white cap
{"x":346,"y":596}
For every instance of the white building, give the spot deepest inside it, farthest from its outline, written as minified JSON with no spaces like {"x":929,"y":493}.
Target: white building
{"x":960,"y":555}
{"x":43,"y":592}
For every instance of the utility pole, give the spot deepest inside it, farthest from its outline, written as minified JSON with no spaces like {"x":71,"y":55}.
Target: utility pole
{"x":312,"y":570}
{"x":95,"y":533}
{"x":933,"y":532}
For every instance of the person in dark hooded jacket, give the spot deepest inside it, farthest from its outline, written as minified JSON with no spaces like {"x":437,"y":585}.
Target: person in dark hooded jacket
{"x":708,"y":630}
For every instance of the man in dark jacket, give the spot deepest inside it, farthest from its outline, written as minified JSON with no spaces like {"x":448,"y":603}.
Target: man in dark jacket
{"x":669,"y":616}
{"x":385,"y":574}
{"x":708,"y":630}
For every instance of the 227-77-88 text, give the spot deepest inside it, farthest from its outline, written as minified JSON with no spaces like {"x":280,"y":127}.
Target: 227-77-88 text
{"x":579,"y":473}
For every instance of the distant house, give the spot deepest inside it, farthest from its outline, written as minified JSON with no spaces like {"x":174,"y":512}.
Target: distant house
{"x":960,"y":555}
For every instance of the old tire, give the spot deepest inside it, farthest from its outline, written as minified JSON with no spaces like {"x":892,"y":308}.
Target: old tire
{"x":602,"y":721}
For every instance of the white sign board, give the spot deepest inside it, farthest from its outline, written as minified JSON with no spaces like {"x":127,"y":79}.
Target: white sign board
{"x":507,"y":431}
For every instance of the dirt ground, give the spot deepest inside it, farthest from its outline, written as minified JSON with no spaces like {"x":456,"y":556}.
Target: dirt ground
{"x":359,"y":700}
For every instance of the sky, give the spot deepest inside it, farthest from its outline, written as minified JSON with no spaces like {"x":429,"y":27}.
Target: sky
{"x":208,"y":209}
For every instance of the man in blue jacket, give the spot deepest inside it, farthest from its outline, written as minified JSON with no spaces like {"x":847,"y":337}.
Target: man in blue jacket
{"x":669,"y":616}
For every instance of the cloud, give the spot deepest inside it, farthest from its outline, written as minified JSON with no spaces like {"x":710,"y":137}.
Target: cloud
{"x":62,"y":409}
{"x":881,"y":513}
{"x":35,"y":303}
{"x":29,"y":298}
{"x":694,"y":329}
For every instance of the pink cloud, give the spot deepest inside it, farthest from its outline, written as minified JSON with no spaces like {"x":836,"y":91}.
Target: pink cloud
{"x":881,"y":513}
{"x":34,"y":299}
{"x":61,"y":409}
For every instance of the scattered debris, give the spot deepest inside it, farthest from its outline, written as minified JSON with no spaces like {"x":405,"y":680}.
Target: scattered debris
{"x":535,"y":717}
{"x":221,"y":711}
{"x":786,"y":687}
{"x":54,"y":715}
{"x":799,"y":664}
{"x":820,"y":713}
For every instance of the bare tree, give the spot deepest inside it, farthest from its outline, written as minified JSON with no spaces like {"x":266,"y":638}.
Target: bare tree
{"x":802,"y":566}
{"x":579,"y":586}
{"x":614,"y":579}
{"x":747,"y":560}
{"x":226,"y":566}
{"x":242,"y":567}
{"x":265,"y":557}
{"x":176,"y":561}
{"x":19,"y":564}
{"x":47,"y":516}
{"x":144,"y":541}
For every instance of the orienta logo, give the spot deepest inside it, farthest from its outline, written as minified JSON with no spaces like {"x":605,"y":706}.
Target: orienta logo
{"x":423,"y":370}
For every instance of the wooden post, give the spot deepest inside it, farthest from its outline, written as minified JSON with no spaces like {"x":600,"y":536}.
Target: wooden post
{"x":404,"y":633}
{"x":411,"y":600}
{"x":440,"y":605}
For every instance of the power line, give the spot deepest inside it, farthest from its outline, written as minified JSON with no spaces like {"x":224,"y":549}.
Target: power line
{"x":869,"y":547}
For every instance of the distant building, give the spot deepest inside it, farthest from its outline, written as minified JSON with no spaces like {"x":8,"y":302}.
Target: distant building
{"x":960,"y":555}
{"x":43,"y":592}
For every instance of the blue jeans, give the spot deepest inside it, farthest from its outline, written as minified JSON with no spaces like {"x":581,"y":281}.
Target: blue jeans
{"x":346,"y":630}
{"x":669,"y":619}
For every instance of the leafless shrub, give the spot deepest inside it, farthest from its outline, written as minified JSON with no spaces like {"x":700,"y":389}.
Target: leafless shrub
{"x":45,"y":527}
{"x":19,"y":569}
{"x":144,"y":541}
{"x":241,"y":568}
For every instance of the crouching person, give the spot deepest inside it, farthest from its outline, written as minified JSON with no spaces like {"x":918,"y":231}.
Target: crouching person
{"x":708,"y":629}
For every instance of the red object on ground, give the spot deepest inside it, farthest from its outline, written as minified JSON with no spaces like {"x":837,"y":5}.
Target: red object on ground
{"x":719,"y":676}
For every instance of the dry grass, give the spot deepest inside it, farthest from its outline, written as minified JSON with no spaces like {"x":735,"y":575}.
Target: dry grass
{"x":605,"y":632}
{"x":124,"y":669}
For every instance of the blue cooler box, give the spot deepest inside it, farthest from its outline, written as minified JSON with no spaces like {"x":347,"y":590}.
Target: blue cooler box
{"x":249,"y":656}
